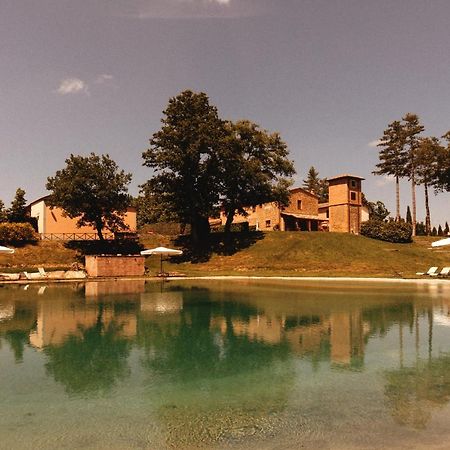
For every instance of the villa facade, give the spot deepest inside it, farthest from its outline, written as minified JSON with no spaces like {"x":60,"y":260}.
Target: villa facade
{"x":342,"y":213}
{"x":54,"y":224}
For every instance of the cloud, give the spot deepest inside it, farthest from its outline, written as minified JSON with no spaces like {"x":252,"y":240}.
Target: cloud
{"x":190,"y":9}
{"x":72,"y":86}
{"x":374,"y":143}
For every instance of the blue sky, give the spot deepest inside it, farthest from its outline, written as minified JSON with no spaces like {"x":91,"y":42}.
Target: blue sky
{"x":95,"y":76}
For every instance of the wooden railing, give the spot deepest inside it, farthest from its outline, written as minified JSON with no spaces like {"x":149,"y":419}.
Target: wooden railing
{"x":74,"y":236}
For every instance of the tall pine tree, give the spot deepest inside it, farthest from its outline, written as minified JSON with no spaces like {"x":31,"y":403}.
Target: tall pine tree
{"x":393,"y":158}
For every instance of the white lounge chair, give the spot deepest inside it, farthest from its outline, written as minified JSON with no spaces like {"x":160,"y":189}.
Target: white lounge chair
{"x":42,"y":272}
{"x":445,"y":272}
{"x":431,"y":271}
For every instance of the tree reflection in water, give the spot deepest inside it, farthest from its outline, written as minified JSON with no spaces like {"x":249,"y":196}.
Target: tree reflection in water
{"x":413,"y":392}
{"x":91,"y":362}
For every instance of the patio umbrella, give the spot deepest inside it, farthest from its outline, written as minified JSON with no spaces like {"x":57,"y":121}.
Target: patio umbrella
{"x":441,"y":242}
{"x":6,"y":250}
{"x":162,"y":251}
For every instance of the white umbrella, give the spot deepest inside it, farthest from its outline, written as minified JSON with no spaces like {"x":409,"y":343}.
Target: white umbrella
{"x":441,"y":242}
{"x":162,"y":251}
{"x":6,"y":250}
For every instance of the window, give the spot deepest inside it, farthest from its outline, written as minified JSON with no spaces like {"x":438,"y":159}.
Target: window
{"x":299,"y":204}
{"x":353,"y":195}
{"x":267,"y":223}
{"x":353,"y":183}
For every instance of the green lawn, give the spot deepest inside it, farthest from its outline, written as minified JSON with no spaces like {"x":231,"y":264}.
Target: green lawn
{"x":275,"y":253}
{"x":318,"y":254}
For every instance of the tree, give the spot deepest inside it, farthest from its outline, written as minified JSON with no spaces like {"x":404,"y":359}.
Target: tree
{"x":443,"y":171}
{"x":434,"y":232}
{"x":152,"y":208}
{"x":253,"y":169}
{"x":3,"y":212}
{"x":408,"y":215}
{"x":18,"y":211}
{"x":184,"y":154}
{"x":427,"y":161}
{"x":393,"y":158}
{"x":446,"y":229}
{"x":411,"y":129}
{"x":377,"y":210}
{"x":440,"y":232}
{"x":92,"y":189}
{"x":317,"y":185}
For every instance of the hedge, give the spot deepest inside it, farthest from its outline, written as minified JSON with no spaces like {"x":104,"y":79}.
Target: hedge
{"x":398,"y":232}
{"x":17,"y":233}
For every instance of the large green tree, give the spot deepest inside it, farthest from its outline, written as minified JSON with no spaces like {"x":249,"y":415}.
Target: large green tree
{"x":393,"y":158}
{"x":92,"y":189}
{"x":185,"y":156}
{"x":254,"y":169}
{"x":18,"y":210}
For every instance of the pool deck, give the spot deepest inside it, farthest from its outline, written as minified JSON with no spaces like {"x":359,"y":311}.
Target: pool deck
{"x":428,"y":280}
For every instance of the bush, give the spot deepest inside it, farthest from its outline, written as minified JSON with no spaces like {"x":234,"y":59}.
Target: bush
{"x":399,"y":232}
{"x":17,"y":233}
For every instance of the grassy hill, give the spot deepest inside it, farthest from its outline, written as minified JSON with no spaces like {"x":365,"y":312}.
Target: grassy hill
{"x":315,"y":254}
{"x":276,"y":253}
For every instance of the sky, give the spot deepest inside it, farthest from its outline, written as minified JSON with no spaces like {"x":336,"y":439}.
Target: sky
{"x":81,"y":76}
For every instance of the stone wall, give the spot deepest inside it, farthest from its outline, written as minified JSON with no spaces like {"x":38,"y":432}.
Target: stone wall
{"x":114,"y":266}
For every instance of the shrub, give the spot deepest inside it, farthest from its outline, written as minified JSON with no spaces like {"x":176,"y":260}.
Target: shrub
{"x":399,"y":232}
{"x":17,"y":233}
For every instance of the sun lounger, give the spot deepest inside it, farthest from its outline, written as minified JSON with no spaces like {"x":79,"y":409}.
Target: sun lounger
{"x":445,"y":272}
{"x":431,"y":271}
{"x":42,"y":272}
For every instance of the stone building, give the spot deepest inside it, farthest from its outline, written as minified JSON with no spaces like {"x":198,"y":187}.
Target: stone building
{"x":300,"y":215}
{"x":342,"y":213}
{"x":344,"y":203}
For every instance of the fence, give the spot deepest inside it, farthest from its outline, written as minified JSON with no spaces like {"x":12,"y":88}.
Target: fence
{"x":74,"y":236}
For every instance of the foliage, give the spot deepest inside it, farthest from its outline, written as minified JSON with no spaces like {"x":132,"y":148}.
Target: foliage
{"x":184,"y":154}
{"x":393,"y":156}
{"x":446,"y":229}
{"x":408,"y":215}
{"x":17,"y":233}
{"x":317,"y":185}
{"x":440,"y":232}
{"x":420,"y":229}
{"x":152,"y":208}
{"x":391,"y":231}
{"x":443,"y":172}
{"x":377,"y":210}
{"x":203,"y":162}
{"x":18,"y":210}
{"x":3,"y":213}
{"x":253,"y":169}
{"x":93,"y":190}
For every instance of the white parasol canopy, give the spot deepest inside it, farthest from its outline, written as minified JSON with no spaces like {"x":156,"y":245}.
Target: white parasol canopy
{"x":441,"y":242}
{"x":162,"y":251}
{"x":6,"y":250}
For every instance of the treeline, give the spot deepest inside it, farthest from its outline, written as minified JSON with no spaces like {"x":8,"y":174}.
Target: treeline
{"x":16,"y":225}
{"x":405,"y":153}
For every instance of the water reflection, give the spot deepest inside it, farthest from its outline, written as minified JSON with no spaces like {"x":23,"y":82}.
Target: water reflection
{"x":230,"y":357}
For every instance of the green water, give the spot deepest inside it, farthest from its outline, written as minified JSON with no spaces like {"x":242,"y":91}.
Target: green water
{"x":232,"y":364}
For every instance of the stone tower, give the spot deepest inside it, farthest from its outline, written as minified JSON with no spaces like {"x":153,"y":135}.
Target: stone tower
{"x":345,"y":202}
